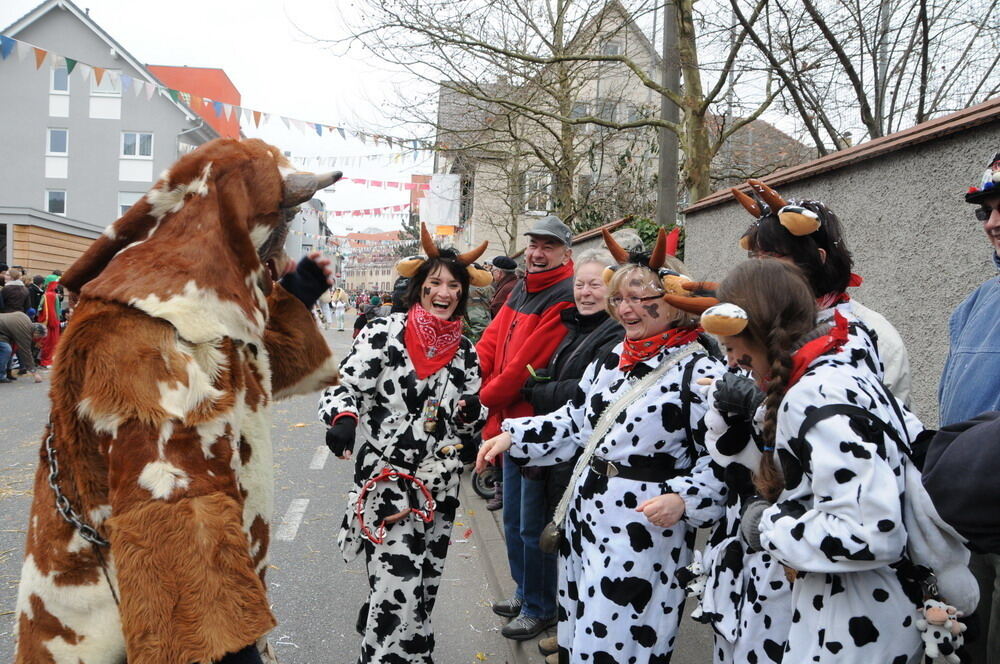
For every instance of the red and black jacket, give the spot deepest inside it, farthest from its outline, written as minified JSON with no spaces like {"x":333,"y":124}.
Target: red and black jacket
{"x":526,"y":331}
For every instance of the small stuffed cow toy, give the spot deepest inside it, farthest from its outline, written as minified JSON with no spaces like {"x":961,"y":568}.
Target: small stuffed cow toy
{"x":941,"y":631}
{"x":693,"y":578}
{"x":159,"y":435}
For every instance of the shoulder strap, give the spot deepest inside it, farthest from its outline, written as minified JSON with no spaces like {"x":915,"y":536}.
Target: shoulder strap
{"x":824,"y":412}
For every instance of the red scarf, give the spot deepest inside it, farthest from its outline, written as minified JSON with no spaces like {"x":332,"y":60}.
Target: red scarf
{"x":642,"y":349}
{"x":830,"y":342}
{"x":833,"y":299}
{"x":430,"y":341}
{"x":536,"y":282}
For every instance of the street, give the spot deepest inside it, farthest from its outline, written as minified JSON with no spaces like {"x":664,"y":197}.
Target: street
{"x":316,"y":596}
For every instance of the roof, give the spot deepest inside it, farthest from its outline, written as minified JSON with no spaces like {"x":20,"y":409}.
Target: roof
{"x":44,"y":8}
{"x":974,"y":116}
{"x":205,"y":82}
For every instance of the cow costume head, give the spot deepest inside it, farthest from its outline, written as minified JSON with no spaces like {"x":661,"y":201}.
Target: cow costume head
{"x":210,"y":230}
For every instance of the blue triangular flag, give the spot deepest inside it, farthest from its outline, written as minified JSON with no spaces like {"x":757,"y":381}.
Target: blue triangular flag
{"x":217,"y":107}
{"x":6,"y":46}
{"x":126,"y":82}
{"x":343,"y":134}
{"x":319,"y":129}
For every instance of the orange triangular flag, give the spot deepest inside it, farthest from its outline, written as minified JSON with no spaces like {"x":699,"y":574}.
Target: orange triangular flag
{"x":98,"y":74}
{"x":256,"y":118}
{"x":195,"y":102}
{"x":39,"y":57}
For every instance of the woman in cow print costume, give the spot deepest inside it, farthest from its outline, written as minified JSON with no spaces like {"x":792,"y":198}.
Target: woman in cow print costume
{"x":832,"y":516}
{"x":408,"y":388}
{"x":747,"y":598}
{"x":632,"y":514}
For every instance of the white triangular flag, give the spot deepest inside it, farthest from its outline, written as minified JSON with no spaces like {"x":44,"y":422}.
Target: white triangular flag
{"x":23,"y":49}
{"x":85,"y":71}
{"x":150,"y":89}
{"x":228,"y":110}
{"x":137,"y":87}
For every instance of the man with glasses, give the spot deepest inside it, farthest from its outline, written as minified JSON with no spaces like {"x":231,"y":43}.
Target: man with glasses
{"x":970,"y":385}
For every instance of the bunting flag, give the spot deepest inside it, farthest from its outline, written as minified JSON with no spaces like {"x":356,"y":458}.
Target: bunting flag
{"x":245,"y":115}
{"x":381,"y":184}
{"x":6,"y":46}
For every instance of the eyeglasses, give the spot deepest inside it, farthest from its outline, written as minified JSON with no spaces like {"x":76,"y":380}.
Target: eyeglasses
{"x":617,"y":300}
{"x":983,"y":213}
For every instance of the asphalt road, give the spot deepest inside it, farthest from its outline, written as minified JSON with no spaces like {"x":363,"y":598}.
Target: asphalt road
{"x":315,"y":595}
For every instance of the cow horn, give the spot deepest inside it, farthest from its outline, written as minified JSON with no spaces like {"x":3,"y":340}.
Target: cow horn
{"x":619,"y":254}
{"x":770,"y":196}
{"x":300,"y":187}
{"x":470,"y":257}
{"x":747,"y":202}
{"x":659,"y":251}
{"x":428,"y":244}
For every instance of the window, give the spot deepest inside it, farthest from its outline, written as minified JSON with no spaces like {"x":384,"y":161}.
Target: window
{"x":606,"y":110}
{"x":59,"y":83}
{"x":611,"y":48}
{"x":55,"y":201}
{"x":537,"y":194}
{"x":579,"y":110}
{"x":127,"y":199}
{"x":58,"y":143}
{"x":110,"y":86}
{"x":137,"y":144}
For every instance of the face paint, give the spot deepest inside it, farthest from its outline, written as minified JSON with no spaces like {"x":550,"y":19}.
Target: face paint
{"x":745,"y":361}
{"x":427,"y":291}
{"x":652,"y":310}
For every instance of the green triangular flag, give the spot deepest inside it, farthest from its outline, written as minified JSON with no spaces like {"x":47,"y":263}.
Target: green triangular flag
{"x":70,"y":63}
{"x":173,"y":94}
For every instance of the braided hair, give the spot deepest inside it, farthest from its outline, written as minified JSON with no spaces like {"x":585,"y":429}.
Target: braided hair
{"x":781,"y":313}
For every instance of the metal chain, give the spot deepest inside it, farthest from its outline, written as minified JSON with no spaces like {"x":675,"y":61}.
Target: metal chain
{"x":63,"y":505}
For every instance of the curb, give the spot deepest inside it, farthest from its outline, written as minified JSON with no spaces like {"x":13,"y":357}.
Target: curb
{"x":488,"y":533}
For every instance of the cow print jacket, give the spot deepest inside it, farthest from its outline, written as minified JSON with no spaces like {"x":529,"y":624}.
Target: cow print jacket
{"x":381,"y":387}
{"x":838,"y":521}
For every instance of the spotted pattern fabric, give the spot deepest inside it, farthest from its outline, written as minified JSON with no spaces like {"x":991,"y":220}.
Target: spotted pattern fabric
{"x":380,"y":386}
{"x":619,"y":601}
{"x":839,"y":522}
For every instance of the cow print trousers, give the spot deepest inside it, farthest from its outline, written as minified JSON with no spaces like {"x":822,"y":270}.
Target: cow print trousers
{"x":404,"y":573}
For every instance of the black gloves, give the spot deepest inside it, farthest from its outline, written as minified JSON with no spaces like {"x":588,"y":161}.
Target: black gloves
{"x":307,"y":282}
{"x":750,"y":523}
{"x":737,"y":395}
{"x":470,"y":412}
{"x":540,"y":377}
{"x":340,"y":436}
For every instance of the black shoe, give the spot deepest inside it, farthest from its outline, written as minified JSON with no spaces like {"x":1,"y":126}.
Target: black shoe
{"x":525,"y":627}
{"x":508,"y":608}
{"x":5,"y":380}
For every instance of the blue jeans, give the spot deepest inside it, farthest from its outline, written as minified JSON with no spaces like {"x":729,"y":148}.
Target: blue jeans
{"x":534,"y":572}
{"x":5,"y":352}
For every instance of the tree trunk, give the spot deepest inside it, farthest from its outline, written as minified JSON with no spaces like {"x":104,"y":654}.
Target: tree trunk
{"x":696,"y":146}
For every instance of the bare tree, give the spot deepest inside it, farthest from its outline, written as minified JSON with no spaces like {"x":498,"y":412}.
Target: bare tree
{"x":854,"y":70}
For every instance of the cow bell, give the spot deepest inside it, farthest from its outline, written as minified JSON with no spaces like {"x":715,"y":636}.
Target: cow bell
{"x":300,"y":187}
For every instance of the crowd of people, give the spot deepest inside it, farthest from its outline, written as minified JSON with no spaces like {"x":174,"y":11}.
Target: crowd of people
{"x":630,"y":406}
{"x":31,"y":320}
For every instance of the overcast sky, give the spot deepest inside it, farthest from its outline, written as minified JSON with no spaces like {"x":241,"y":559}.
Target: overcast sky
{"x":276,"y":68}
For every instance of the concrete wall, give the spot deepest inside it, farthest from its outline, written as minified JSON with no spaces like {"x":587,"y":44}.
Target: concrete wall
{"x":92,"y":180}
{"x":914,"y":240}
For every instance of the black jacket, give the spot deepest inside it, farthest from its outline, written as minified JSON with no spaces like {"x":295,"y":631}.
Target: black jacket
{"x":587,"y":338}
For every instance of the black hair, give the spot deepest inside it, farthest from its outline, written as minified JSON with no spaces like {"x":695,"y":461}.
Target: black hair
{"x":446,"y":259}
{"x":767,"y":235}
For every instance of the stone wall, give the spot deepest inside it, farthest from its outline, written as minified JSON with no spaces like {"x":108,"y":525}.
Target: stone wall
{"x":914,"y":239}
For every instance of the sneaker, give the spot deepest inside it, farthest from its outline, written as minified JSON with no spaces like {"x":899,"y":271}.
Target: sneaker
{"x":508,"y":608}
{"x":525,"y":627}
{"x":549,"y":646}
{"x":495,"y":503}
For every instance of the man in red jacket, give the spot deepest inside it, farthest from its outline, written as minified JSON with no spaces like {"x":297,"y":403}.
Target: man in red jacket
{"x":526,"y":331}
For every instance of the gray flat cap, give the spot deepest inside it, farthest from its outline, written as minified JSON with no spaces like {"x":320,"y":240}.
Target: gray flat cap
{"x":552,"y":226}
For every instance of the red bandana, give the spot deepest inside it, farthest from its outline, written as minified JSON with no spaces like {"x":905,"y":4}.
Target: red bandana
{"x":833,"y":299}
{"x":643,"y":349}
{"x":430,"y":341}
{"x":831,"y":341}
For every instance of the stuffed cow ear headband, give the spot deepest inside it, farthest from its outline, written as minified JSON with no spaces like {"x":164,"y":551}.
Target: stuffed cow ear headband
{"x":764,"y":201}
{"x":477,"y":277}
{"x":679,"y":290}
{"x":724,"y":320}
